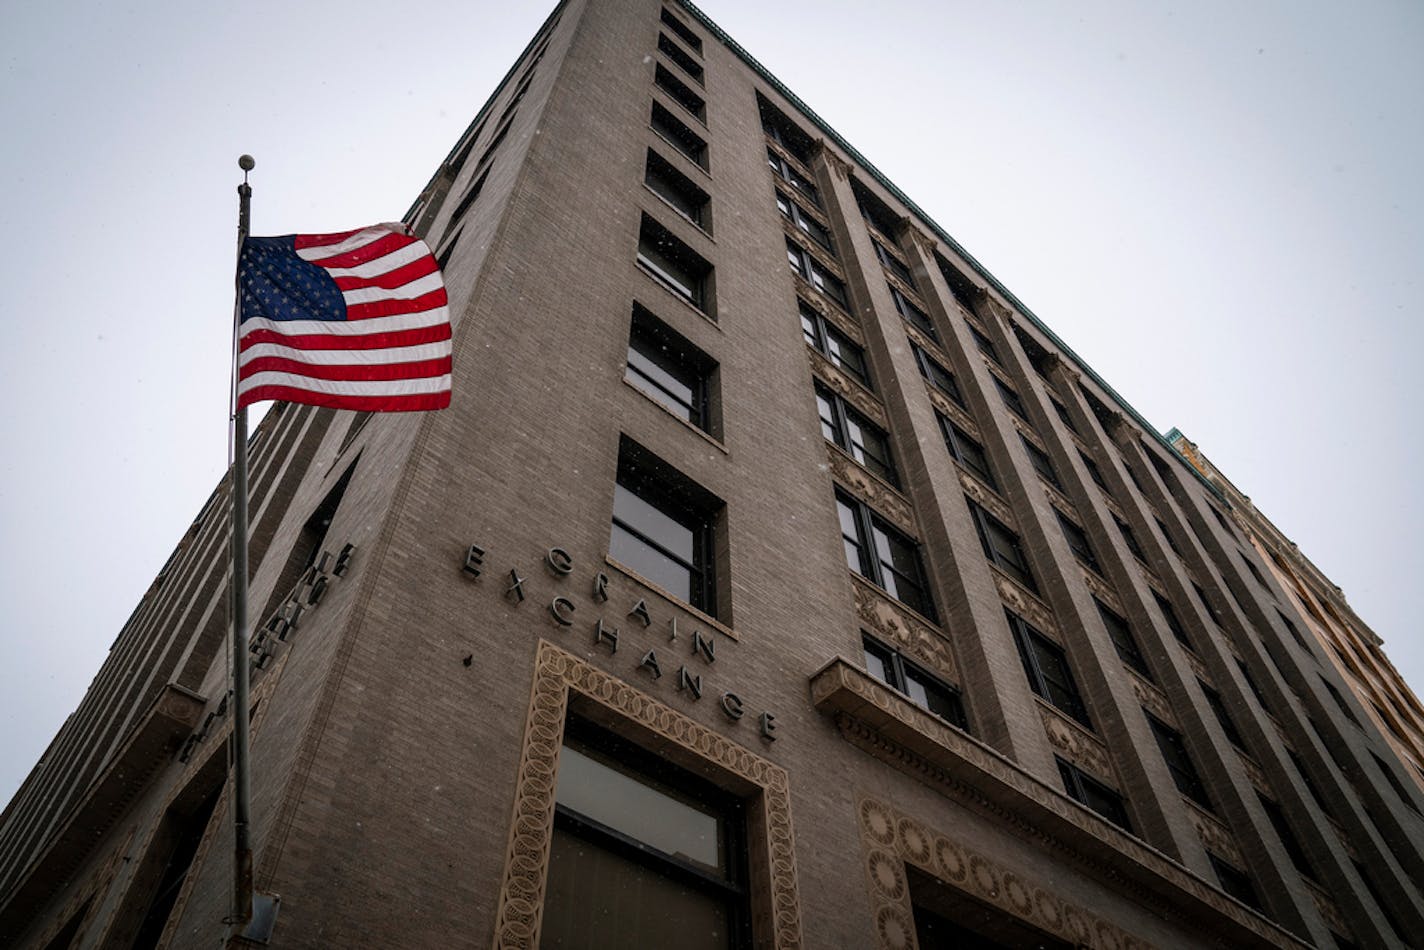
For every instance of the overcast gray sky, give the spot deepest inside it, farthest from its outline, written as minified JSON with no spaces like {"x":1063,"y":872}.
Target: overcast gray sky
{"x":1216,"y":204}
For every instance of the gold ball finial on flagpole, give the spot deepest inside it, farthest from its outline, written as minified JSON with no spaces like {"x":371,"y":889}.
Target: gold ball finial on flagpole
{"x":246,"y":163}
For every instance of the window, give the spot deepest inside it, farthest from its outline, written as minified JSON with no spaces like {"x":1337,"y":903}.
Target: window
{"x":798,"y":216}
{"x":882,"y":555}
{"x":1293,"y":631}
{"x":1251,"y":567}
{"x":471,"y":193}
{"x":866,"y":442}
{"x":784,"y":132}
{"x":986,"y":345}
{"x":788,"y":173}
{"x":1082,"y":787}
{"x":1041,"y":463}
{"x":1120,"y":632}
{"x":1201,"y":594}
{"x":814,"y":273}
{"x":1339,"y":699}
{"x":1394,"y":782}
{"x":966,"y":451}
{"x":676,"y":265}
{"x":935,"y":374}
{"x":1011,"y":399}
{"x":1179,"y":763}
{"x":682,"y":31}
{"x":1370,"y":886}
{"x":679,"y":56}
{"x":1218,"y":708}
{"x":893,"y":264}
{"x":1095,"y":473}
{"x":1130,"y":538}
{"x":1306,"y":780}
{"x":1278,"y":821}
{"x":913,"y":314}
{"x":677,"y":190}
{"x":822,"y":335}
{"x":1235,"y":881}
{"x":1078,"y":543}
{"x":1132,"y":476}
{"x":1046,"y":666}
{"x":663,"y":527}
{"x":1062,"y":411}
{"x":1251,"y":685}
{"x":1167,"y":536}
{"x":926,"y":691}
{"x":876,"y":213}
{"x":665,"y":366}
{"x":680,"y":92}
{"x":1173,"y":624}
{"x":629,"y":822}
{"x":1001,"y":546}
{"x":674,"y":131}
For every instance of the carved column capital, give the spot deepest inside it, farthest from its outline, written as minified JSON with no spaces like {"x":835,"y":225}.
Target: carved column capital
{"x":837,"y":164}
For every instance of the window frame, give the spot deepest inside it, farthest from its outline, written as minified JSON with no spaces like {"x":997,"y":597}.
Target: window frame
{"x":1123,"y":640}
{"x":935,"y":373}
{"x":1041,"y":462}
{"x":680,"y":92}
{"x":911,"y":313}
{"x":844,"y":423}
{"x":679,"y":135}
{"x":892,"y":263}
{"x":983,"y":522}
{"x":900,"y":672}
{"x":804,"y":221}
{"x":804,"y":264}
{"x":694,"y":285}
{"x":682,"y":194}
{"x":678,"y":358}
{"x":1179,"y":762}
{"x":1083,"y":788}
{"x":784,"y":170}
{"x":831,"y":342}
{"x":866,"y":522}
{"x":956,"y":441}
{"x":1062,"y":694}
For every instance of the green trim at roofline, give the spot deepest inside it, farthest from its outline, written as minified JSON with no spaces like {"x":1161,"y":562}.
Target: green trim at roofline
{"x":943,"y":235}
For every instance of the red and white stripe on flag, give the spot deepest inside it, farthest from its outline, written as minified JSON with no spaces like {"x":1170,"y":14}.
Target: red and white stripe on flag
{"x":357,"y":320}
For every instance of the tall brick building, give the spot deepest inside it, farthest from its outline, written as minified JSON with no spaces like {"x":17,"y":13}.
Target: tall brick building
{"x":776,"y":579}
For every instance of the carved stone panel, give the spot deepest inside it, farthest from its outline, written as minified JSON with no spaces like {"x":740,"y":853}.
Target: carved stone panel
{"x":947,"y":407}
{"x":1215,"y":835}
{"x":851,"y":391}
{"x":1153,"y":581}
{"x":1076,"y":744}
{"x":1255,"y":775}
{"x":903,"y":629}
{"x":1059,"y":500}
{"x":871,"y":490}
{"x":1025,"y":604}
{"x":1152,"y":699}
{"x":1328,"y":909}
{"x":1102,"y":590}
{"x":987,"y":498}
{"x":1198,"y":667}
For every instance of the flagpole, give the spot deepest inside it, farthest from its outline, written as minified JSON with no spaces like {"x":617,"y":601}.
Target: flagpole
{"x":242,"y":785}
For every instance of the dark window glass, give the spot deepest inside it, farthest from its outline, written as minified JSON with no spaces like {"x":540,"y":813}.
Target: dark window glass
{"x":1046,"y":666}
{"x":1306,"y":780}
{"x":1235,"y":882}
{"x":628,"y":822}
{"x":800,"y":217}
{"x":866,"y":442}
{"x":1251,"y":684}
{"x":1283,"y":831}
{"x":677,"y":190}
{"x":937,"y":376}
{"x":667,"y":367}
{"x":925,"y":690}
{"x":1173,"y":624}
{"x":1179,"y":763}
{"x":468,"y":199}
{"x":1062,"y":411}
{"x":1293,"y":631}
{"x":1120,"y":632}
{"x":1132,"y":475}
{"x":876,"y":213}
{"x":1201,"y":594}
{"x":682,"y":30}
{"x":831,"y":343}
{"x":681,"y":269}
{"x":913,"y":314}
{"x":969,"y":453}
{"x":784,"y":132}
{"x":986,"y":345}
{"x":788,"y":173}
{"x":1384,"y":907}
{"x":1082,"y":787}
{"x":680,"y":92}
{"x":805,"y":265}
{"x":678,"y":55}
{"x":1394,"y":782}
{"x":663,"y":527}
{"x":1042,"y":464}
{"x":1167,"y":536}
{"x":1339,"y":699}
{"x":1251,"y":567}
{"x":1078,"y":543}
{"x":1218,"y":707}
{"x":1095,"y":473}
{"x":893,"y":264}
{"x":1001,"y":546}
{"x":882,"y":555}
{"x":1130,"y":538}
{"x":671,"y":128}
{"x":1011,"y":399}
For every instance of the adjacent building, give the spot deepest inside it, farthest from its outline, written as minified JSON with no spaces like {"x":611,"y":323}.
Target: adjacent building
{"x":776,"y":579}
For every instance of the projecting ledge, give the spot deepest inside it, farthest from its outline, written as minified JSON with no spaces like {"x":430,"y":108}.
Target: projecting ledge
{"x":886,"y":724}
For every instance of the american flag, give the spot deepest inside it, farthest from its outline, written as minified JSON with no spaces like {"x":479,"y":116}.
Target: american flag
{"x":356,"y":320}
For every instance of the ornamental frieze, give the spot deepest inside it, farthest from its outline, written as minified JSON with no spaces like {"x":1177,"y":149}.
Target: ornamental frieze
{"x":1255,"y":775}
{"x":1214,"y":834}
{"x":1102,"y":590}
{"x":843,"y":321}
{"x":1327,"y":908}
{"x":947,"y":407}
{"x":920,"y":339}
{"x":855,"y":394}
{"x":1152,"y":698}
{"x":903,"y":629}
{"x":1059,"y":500}
{"x":986,"y":497}
{"x":871,"y":490}
{"x":1076,"y":744}
{"x":1017,"y":598}
{"x":1198,"y":667}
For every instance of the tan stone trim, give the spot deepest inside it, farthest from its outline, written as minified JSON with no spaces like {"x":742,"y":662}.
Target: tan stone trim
{"x":861,"y":483}
{"x":1102,"y":590}
{"x":1215,"y":836}
{"x":1027,"y":605}
{"x":905,"y":630}
{"x":851,"y":391}
{"x":985,"y":497}
{"x":949,"y":408}
{"x":1076,"y":744}
{"x":560,"y":676}
{"x":1152,"y":698}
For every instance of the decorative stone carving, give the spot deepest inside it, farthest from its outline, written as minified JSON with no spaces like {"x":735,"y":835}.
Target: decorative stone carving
{"x":842,"y":320}
{"x":849,"y":389}
{"x":997,"y":310}
{"x":1152,"y":699}
{"x":923,"y":241}
{"x":871,"y":490}
{"x":1254,"y":775}
{"x":838,"y":165}
{"x":1328,"y":909}
{"x":987,"y":498}
{"x":1076,"y":744}
{"x":1102,"y":591}
{"x":1111,"y":504}
{"x":1153,"y":581}
{"x":776,"y":907}
{"x":947,"y":407}
{"x":904,"y":629}
{"x":905,"y":288}
{"x":1215,"y":835}
{"x":925,"y":343}
{"x":1059,"y":500}
{"x":1198,"y":667}
{"x":1017,"y":598}
{"x":822,"y":258}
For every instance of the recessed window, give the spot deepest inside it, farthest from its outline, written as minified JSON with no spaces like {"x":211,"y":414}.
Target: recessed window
{"x":882,"y":555}
{"x":1278,"y":821}
{"x":1106,"y":801}
{"x":788,"y":173}
{"x":822,"y":335}
{"x":680,"y":93}
{"x":1235,"y":881}
{"x":913,"y":315}
{"x":1062,"y":411}
{"x":893,"y":263}
{"x":1167,"y":536}
{"x":805,"y":265}
{"x":866,"y":442}
{"x":1078,"y":543}
{"x":1129,"y":537}
{"x":966,"y":451}
{"x":664,"y":527}
{"x":664,"y":365}
{"x":877,"y":213}
{"x":986,"y":345}
{"x":1293,"y":630}
{"x":676,"y":132}
{"x":1011,"y":399}
{"x":679,"y":268}
{"x":1095,"y":473}
{"x":925,"y":690}
{"x":671,"y":185}
{"x":680,"y":57}
{"x":1173,"y":623}
{"x":1218,"y":708}
{"x":629,"y":822}
{"x":784,"y":132}
{"x":1041,"y":463}
{"x":1132,"y":476}
{"x":1394,"y":782}
{"x":1179,"y":763}
{"x":682,"y":31}
{"x":936,"y":375}
{"x":1120,"y":632}
{"x":1046,"y":666}
{"x":1384,"y":907}
{"x":1001,"y":545}
{"x":803,"y":220}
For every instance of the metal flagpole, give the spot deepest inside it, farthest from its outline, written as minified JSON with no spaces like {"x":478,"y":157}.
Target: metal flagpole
{"x":242,"y":786}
